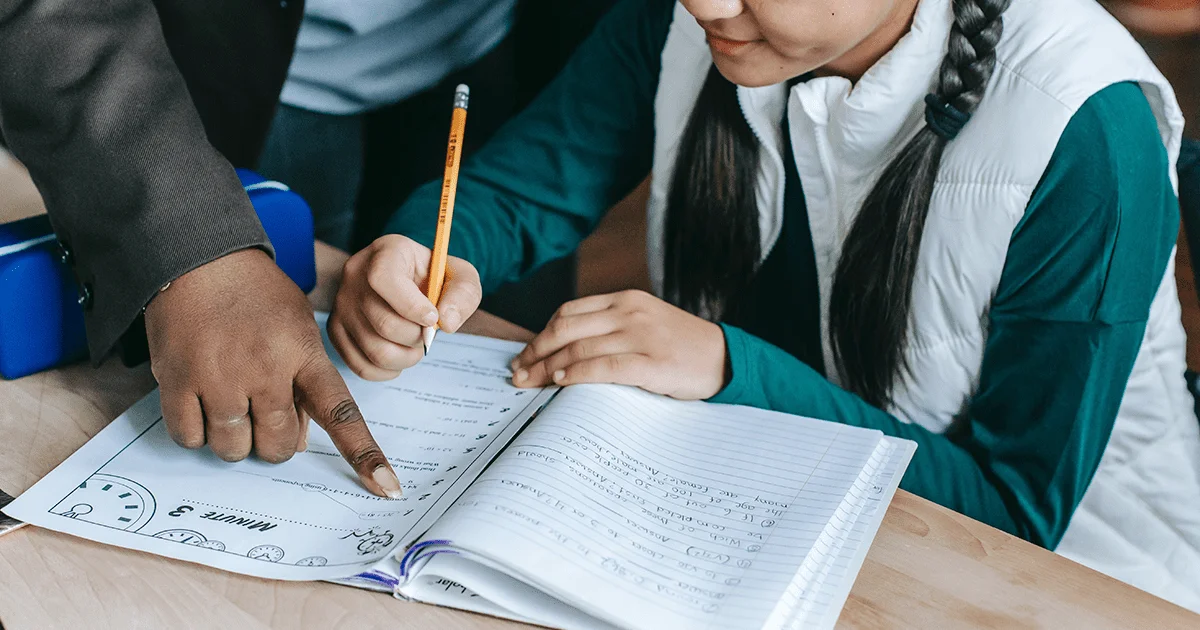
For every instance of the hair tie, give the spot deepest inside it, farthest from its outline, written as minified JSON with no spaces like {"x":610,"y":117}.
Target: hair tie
{"x":944,"y":119}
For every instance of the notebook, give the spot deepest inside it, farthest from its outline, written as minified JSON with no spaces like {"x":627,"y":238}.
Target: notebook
{"x":588,"y":507}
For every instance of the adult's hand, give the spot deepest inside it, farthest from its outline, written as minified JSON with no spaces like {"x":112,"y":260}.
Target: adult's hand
{"x":240,"y":366}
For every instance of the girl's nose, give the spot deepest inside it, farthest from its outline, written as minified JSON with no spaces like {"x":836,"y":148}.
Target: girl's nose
{"x":710,"y":10}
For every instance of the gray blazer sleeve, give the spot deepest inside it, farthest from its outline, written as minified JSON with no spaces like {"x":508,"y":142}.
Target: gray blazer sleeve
{"x":92,"y":102}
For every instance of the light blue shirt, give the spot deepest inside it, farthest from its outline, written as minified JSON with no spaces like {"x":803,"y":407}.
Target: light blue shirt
{"x":357,"y":55}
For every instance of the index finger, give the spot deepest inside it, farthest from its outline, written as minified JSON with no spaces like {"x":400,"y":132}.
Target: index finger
{"x":390,"y":275}
{"x":460,"y":295}
{"x":562,"y":331}
{"x":323,"y":394}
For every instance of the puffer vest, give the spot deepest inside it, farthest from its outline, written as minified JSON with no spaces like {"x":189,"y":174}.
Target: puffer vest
{"x":1139,"y":520}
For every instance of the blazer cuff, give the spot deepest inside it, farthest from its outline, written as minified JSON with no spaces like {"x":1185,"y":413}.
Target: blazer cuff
{"x":116,"y":286}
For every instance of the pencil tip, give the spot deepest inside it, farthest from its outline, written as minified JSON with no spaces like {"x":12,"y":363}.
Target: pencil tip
{"x":427,"y":334}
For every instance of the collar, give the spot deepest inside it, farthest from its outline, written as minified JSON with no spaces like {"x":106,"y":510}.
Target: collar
{"x":866,"y":123}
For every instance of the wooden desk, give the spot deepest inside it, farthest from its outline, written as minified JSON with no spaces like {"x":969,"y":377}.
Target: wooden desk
{"x":929,"y":567}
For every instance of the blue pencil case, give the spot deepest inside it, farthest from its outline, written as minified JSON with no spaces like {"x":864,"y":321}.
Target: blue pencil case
{"x":41,"y":321}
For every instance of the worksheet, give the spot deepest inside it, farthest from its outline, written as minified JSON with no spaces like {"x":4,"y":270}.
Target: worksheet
{"x":439,"y":424}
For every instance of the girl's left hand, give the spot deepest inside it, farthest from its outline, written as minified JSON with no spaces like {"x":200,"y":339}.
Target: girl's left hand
{"x":629,"y":338}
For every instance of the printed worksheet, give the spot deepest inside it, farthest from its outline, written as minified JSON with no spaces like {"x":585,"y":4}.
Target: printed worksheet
{"x":439,"y":424}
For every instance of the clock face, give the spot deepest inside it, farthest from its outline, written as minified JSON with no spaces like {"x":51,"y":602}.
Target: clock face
{"x":312,"y":561}
{"x":110,"y":501}
{"x":215,"y":545}
{"x":269,"y":553}
{"x":185,"y":536}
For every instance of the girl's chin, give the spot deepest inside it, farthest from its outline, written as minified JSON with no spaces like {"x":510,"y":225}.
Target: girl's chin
{"x":751,"y":73}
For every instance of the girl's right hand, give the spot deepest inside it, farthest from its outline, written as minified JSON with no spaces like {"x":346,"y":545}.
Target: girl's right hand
{"x":381,"y":306}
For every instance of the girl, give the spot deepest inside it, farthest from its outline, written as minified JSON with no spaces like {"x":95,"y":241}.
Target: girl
{"x":950,"y":220}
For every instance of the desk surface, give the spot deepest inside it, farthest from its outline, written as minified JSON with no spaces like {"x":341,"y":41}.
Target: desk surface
{"x":929,"y":567}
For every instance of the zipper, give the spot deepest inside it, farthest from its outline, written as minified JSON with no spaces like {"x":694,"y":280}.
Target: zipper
{"x":777,"y":162}
{"x":823,"y":152}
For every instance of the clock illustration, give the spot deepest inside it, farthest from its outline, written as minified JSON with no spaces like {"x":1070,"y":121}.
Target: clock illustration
{"x":312,"y":561}
{"x":215,"y":545}
{"x":267,"y":553}
{"x":110,"y":501}
{"x":185,"y":536}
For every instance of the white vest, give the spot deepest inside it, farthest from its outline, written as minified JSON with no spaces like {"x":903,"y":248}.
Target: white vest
{"x":1139,"y":520}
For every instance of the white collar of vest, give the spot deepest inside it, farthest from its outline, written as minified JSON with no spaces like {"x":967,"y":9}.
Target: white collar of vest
{"x":868,"y":126}
{"x":861,"y":126}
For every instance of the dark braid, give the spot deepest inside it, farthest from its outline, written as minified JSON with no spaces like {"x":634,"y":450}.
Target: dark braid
{"x":872,"y":293}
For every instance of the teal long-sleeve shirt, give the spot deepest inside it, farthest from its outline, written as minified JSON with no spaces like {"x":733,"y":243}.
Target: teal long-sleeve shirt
{"x":1065,"y":326}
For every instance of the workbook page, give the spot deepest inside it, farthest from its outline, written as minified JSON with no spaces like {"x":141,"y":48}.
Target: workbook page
{"x":649,"y":513}
{"x":439,"y":424}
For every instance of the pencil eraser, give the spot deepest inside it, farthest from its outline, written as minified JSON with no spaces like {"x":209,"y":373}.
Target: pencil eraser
{"x":462,"y":94}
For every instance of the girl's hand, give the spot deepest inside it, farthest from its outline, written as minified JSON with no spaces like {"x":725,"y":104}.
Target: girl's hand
{"x":381,"y":305}
{"x":630,"y":338}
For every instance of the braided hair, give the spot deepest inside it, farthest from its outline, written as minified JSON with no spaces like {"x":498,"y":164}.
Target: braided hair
{"x":711,"y":208}
{"x":872,"y":287}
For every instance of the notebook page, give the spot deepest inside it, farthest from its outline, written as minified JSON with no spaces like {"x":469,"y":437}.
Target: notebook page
{"x":439,"y":424}
{"x":796,"y":598}
{"x":492,"y":592}
{"x":651,"y":513}
{"x":826,"y":603}
{"x":815,"y":597}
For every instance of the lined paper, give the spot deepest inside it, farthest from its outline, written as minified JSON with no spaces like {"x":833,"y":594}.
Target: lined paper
{"x":651,"y":513}
{"x":815,"y":598}
{"x":827,"y":601}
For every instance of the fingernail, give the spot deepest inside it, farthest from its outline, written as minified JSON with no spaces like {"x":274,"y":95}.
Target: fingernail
{"x":452,"y":318}
{"x":559,"y":375}
{"x":387,"y":481}
{"x":521,"y":375}
{"x":304,"y":444}
{"x":430,"y":318}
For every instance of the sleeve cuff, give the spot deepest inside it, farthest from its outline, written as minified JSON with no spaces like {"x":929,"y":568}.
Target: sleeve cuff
{"x":131,"y":345}
{"x":740,"y":389}
{"x":124,"y":281}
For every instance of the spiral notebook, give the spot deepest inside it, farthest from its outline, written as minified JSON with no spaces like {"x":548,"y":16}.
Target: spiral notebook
{"x":587,"y":507}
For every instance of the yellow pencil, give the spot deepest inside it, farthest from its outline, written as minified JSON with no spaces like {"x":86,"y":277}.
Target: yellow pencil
{"x":441,"y":242}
